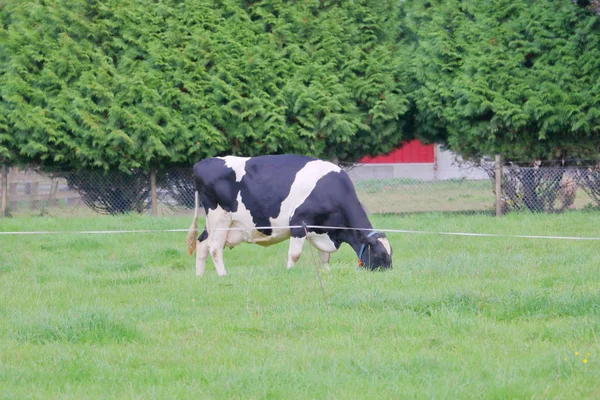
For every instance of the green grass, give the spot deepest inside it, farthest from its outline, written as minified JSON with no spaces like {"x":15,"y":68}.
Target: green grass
{"x":122,"y":316}
{"x":404,"y":195}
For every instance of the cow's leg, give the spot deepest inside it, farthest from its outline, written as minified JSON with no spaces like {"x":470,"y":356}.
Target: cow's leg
{"x":295,"y":250}
{"x":201,"y":253}
{"x":323,"y":243}
{"x":215,"y":248}
{"x":324,"y":257}
{"x":218,"y":221}
{"x":216,"y":243}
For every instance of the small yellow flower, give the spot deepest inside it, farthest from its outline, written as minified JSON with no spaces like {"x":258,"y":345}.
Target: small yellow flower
{"x":585,"y":360}
{"x":576,"y":353}
{"x":588,"y":354}
{"x":565,"y":358}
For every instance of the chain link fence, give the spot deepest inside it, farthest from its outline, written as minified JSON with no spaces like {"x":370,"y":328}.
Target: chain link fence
{"x":383,"y":189}
{"x":85,"y":192}
{"x":548,"y":189}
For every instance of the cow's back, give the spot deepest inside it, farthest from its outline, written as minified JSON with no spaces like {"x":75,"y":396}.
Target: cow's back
{"x":263,"y":182}
{"x":269,"y":188}
{"x":268,"y":181}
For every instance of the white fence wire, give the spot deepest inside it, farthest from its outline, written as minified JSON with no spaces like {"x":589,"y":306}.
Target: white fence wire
{"x":402,"y":231}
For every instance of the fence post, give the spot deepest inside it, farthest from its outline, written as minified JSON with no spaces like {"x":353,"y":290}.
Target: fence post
{"x":153,"y":192}
{"x":35,"y":202}
{"x":498,"y":168}
{"x":4,"y":190}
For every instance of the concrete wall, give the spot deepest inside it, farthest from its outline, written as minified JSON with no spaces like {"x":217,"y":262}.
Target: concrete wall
{"x":450,"y":166}
{"x":447,"y":166}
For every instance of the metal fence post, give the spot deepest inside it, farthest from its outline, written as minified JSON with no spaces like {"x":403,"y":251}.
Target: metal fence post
{"x":4,"y":191}
{"x":153,"y":192}
{"x":498,"y":168}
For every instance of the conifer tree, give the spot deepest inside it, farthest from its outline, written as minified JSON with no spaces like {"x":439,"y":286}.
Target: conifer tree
{"x":518,"y":78}
{"x":122,"y":84}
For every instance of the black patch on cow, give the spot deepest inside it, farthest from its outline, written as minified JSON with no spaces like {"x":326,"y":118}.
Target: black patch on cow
{"x":267,"y":183}
{"x":333,"y":202}
{"x":203,"y":236}
{"x":216,"y":185}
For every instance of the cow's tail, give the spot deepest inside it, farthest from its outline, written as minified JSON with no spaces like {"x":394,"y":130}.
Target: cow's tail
{"x":193,"y":231}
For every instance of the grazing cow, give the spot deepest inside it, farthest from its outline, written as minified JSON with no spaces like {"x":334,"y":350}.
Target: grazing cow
{"x":267,"y":199}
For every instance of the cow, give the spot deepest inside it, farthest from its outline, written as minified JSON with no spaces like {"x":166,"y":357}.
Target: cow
{"x":269,"y":199}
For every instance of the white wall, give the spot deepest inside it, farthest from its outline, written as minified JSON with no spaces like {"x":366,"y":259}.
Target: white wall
{"x":450,"y":166}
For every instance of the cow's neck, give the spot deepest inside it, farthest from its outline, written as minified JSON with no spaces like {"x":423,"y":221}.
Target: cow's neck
{"x":357,"y":237}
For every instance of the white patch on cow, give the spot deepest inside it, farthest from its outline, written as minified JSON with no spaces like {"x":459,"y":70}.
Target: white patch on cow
{"x":242,"y":220}
{"x":322,"y":242}
{"x":237,"y":164}
{"x":304,"y":184}
{"x":386,"y":244}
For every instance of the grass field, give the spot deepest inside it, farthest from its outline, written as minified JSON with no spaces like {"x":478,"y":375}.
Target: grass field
{"x":399,"y":196}
{"x":122,"y":316}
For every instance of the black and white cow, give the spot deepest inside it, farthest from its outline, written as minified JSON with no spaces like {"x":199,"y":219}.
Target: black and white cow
{"x":257,"y":199}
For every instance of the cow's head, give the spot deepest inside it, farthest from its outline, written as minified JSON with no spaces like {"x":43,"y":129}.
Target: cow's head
{"x":375,"y":252}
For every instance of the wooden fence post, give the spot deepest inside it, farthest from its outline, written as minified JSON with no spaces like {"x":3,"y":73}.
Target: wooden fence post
{"x":153,"y":192}
{"x":4,"y":202}
{"x":498,"y":168}
{"x":34,"y":204}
